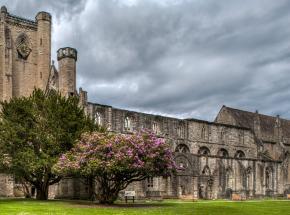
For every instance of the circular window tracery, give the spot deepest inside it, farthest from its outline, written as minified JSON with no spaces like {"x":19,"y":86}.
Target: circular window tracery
{"x":23,"y":46}
{"x":182,"y":148}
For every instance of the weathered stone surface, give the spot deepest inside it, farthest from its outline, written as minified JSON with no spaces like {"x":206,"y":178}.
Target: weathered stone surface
{"x":239,"y":155}
{"x":221,"y":158}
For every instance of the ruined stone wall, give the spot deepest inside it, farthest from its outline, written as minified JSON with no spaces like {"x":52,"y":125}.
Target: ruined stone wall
{"x":218,"y":159}
{"x":70,"y":188}
{"x":6,"y":185}
{"x":216,"y":136}
{"x":114,"y":119}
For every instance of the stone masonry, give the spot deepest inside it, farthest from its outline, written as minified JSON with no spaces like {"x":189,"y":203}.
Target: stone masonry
{"x":243,"y":153}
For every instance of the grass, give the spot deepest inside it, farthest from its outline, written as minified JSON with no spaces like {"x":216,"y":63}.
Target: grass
{"x":33,"y":207}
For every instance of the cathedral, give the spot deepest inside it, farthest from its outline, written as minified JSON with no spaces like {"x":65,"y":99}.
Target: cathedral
{"x":240,"y":154}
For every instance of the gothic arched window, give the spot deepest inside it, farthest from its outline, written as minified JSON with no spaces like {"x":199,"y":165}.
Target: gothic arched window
{"x":182,"y":148}
{"x":155,"y":128}
{"x":223,"y":135}
{"x":98,"y":119}
{"x":204,"y":151}
{"x":248,"y":178}
{"x":150,"y":182}
{"x":203,"y":132}
{"x":128,"y":124}
{"x":240,"y":154}
{"x":269,"y":177}
{"x":180,"y":131}
{"x":223,"y":153}
{"x":206,"y":171}
{"x":241,"y":137}
{"x":182,"y":163}
{"x":229,"y":178}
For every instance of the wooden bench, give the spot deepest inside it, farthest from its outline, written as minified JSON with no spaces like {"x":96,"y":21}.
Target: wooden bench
{"x":187,"y":197}
{"x":237,"y":197}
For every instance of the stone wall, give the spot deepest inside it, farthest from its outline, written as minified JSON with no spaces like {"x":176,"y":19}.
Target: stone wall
{"x":25,"y":54}
{"x":6,"y":185}
{"x":218,"y":159}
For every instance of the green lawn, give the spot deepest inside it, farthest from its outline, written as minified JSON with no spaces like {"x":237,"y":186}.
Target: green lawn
{"x":32,"y":207}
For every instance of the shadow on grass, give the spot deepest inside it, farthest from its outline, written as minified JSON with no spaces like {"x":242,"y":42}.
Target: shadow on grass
{"x":118,"y":204}
{"x":88,"y":204}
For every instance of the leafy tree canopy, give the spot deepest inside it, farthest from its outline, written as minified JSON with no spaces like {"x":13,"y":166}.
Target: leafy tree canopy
{"x":35,"y":131}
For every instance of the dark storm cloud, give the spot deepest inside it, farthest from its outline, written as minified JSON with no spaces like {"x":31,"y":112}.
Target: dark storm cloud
{"x":29,"y":8}
{"x":183,"y":58}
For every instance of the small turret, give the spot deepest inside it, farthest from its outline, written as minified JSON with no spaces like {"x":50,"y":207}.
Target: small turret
{"x":83,"y":95}
{"x":4,"y":9}
{"x":3,"y":13}
{"x":67,"y":58}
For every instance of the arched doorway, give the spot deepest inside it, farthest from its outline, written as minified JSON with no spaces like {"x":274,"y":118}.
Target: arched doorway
{"x":229,"y":183}
{"x":269,"y":181}
{"x":184,"y":176}
{"x":205,"y":183}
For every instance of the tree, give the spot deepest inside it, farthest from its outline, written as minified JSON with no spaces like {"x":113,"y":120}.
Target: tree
{"x":115,"y":160}
{"x":35,"y":131}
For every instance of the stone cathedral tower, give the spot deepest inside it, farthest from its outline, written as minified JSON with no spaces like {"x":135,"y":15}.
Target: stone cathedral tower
{"x":25,"y":64}
{"x":25,"y":57}
{"x":25,"y":52}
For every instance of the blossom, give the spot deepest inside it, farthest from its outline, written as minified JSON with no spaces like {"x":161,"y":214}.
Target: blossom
{"x":103,"y":153}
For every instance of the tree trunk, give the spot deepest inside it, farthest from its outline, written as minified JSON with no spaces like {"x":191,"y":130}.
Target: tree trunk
{"x":107,"y":193}
{"x":42,"y":193}
{"x":107,"y":199}
{"x":26,"y":189}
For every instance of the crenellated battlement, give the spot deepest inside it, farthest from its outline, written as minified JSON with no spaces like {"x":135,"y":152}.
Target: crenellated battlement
{"x":19,"y":21}
{"x":24,"y":22}
{"x":67,"y":52}
{"x":43,"y":16}
{"x":67,"y":58}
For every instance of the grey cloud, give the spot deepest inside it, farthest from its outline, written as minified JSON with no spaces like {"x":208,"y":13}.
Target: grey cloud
{"x":181,"y":58}
{"x":29,"y":8}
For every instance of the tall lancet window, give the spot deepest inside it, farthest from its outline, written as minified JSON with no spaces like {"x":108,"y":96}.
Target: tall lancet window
{"x":155,"y":128}
{"x":203,"y":132}
{"x":127,"y":124}
{"x":98,"y":119}
{"x":269,"y":176}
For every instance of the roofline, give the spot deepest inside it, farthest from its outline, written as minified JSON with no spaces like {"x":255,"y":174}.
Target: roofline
{"x":220,"y":124}
{"x":93,"y":103}
{"x":219,"y":112}
{"x":137,"y":112}
{"x":168,"y":117}
{"x":255,"y":113}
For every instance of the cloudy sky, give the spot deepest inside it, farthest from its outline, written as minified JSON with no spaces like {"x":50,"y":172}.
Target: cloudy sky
{"x":183,"y":58}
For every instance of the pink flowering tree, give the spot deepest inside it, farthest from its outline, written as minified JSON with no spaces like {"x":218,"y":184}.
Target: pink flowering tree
{"x":115,"y":160}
